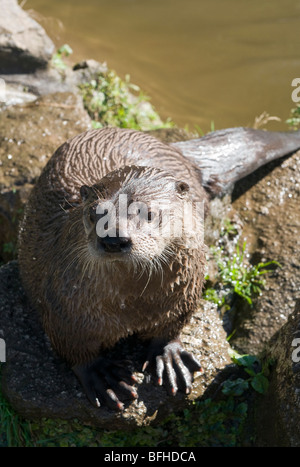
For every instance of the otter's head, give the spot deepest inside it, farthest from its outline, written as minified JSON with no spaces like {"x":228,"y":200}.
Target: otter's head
{"x":134,"y":214}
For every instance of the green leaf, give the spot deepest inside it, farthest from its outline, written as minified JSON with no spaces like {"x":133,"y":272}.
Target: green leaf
{"x":241,"y":409}
{"x":250,"y":371}
{"x":260,"y":383}
{"x":65,"y":49}
{"x":96,"y":124}
{"x":246,"y":360}
{"x":235,"y":387}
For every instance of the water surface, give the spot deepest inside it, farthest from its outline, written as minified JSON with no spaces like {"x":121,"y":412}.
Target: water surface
{"x":225,"y":61}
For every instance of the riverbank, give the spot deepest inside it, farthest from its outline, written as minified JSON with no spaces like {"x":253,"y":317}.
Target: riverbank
{"x":52,"y":102}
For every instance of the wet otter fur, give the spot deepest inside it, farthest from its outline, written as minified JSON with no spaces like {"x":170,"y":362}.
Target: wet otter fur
{"x":90,"y":297}
{"x":93,"y":291}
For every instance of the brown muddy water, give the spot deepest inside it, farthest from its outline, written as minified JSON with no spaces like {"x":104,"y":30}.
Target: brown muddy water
{"x":201,"y":61}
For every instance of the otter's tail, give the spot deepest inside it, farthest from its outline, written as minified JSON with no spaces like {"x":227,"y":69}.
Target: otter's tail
{"x":226,"y":156}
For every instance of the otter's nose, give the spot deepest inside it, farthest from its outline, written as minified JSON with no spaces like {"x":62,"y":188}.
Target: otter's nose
{"x":114,"y":244}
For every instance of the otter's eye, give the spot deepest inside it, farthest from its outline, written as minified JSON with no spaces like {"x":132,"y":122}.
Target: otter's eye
{"x":182,"y":187}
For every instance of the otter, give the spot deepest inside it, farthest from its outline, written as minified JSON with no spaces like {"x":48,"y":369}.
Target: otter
{"x":97,"y":275}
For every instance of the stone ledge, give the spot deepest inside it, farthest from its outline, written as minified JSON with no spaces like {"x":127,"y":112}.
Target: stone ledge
{"x":38,"y":384}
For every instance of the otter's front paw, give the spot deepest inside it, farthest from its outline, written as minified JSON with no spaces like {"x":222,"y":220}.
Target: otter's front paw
{"x":172,"y":363}
{"x":103,"y":379}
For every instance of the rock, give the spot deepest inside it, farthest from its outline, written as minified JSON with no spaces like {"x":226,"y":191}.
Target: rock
{"x":29,"y":134}
{"x":14,"y":94}
{"x":85,"y":71}
{"x":24,"y":45}
{"x":278,"y":412}
{"x":38,"y":384}
{"x":52,"y":80}
{"x":268,"y":204}
{"x":40,"y":83}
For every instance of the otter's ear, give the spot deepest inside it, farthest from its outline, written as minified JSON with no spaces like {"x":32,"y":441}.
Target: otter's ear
{"x":182,"y":187}
{"x":85,"y":192}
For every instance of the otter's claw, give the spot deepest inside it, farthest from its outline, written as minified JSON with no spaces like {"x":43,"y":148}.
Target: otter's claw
{"x":172,"y":361}
{"x":103,"y":379}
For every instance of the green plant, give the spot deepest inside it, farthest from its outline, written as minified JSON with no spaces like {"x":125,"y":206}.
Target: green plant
{"x":212,"y":295}
{"x":14,"y":431}
{"x":109,"y":100}
{"x":228,"y":228}
{"x":235,"y":387}
{"x":10,"y":248}
{"x":58,"y":58}
{"x":257,"y":375}
{"x":237,"y":276}
{"x":197,"y":131}
{"x":203,"y":423}
{"x":294,"y":120}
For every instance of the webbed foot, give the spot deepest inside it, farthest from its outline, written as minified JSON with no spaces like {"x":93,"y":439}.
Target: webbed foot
{"x":173,"y":364}
{"x":103,"y":379}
